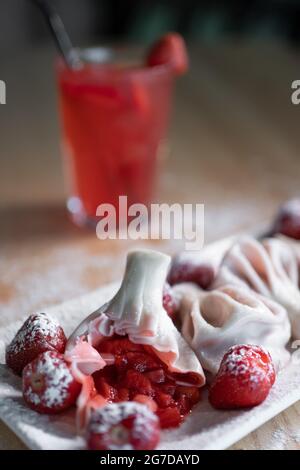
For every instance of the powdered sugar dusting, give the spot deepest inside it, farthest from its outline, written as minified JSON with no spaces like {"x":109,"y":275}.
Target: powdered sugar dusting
{"x":36,"y":327}
{"x":57,"y":377}
{"x":205,"y":428}
{"x":291,"y":207}
{"x":60,"y":275}
{"x":105,"y":419}
{"x":245,"y":362}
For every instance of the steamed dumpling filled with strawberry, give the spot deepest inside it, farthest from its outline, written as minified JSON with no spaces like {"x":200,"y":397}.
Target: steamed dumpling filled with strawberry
{"x":130,"y":349}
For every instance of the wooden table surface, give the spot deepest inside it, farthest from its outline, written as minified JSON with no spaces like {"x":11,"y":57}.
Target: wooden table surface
{"x":234,"y":146}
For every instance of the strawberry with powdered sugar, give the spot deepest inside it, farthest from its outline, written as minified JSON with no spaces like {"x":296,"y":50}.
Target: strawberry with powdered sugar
{"x":287,"y":220}
{"x":38,"y":334}
{"x":199,"y":267}
{"x":183,"y":270}
{"x":124,"y":426}
{"x":48,"y":384}
{"x":244,"y":379}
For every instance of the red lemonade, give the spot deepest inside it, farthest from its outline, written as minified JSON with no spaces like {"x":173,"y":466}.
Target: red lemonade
{"x":114,"y":119}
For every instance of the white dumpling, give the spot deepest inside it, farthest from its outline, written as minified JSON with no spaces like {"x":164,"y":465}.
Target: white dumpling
{"x":137,"y":311}
{"x":212,"y":322}
{"x":269,"y":268}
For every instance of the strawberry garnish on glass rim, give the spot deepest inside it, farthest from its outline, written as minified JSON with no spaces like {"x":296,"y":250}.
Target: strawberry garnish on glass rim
{"x":169,"y":50}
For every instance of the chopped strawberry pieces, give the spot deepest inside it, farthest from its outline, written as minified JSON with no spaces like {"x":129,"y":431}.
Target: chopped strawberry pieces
{"x":38,"y":334}
{"x":138,"y":374}
{"x":244,"y":379}
{"x":123,"y":426}
{"x":171,"y":50}
{"x":156,"y":376}
{"x":184,"y":405}
{"x":169,"y":388}
{"x":141,"y":362}
{"x":191,"y":393}
{"x":138,"y":382}
{"x":123,"y":394}
{"x":169,"y":418}
{"x":119,"y":345}
{"x":106,"y":390}
{"x":152,"y":405}
{"x":163,"y":399}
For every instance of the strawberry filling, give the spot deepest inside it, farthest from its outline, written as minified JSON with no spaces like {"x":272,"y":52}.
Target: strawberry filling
{"x":139,"y":375}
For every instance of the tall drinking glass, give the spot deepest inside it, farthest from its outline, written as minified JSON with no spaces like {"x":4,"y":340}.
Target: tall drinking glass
{"x":114,"y":118}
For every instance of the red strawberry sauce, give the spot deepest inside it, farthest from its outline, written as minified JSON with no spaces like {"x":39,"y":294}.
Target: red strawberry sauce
{"x":139,"y":375}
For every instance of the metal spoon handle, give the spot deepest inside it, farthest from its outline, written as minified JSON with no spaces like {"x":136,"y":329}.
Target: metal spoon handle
{"x":59,"y":34}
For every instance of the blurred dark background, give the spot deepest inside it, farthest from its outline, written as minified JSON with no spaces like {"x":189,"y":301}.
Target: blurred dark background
{"x":144,"y":20}
{"x":233,"y":108}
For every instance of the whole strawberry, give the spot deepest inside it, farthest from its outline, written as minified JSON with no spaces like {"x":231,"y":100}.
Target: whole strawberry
{"x":170,"y":49}
{"x":38,"y":334}
{"x":48,"y":384}
{"x":244,"y":379}
{"x":182,"y":270}
{"x":123,"y":426}
{"x":170,"y":302}
{"x":287,"y":220}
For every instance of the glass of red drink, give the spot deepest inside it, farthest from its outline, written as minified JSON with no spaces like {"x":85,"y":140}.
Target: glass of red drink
{"x":114,"y":118}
